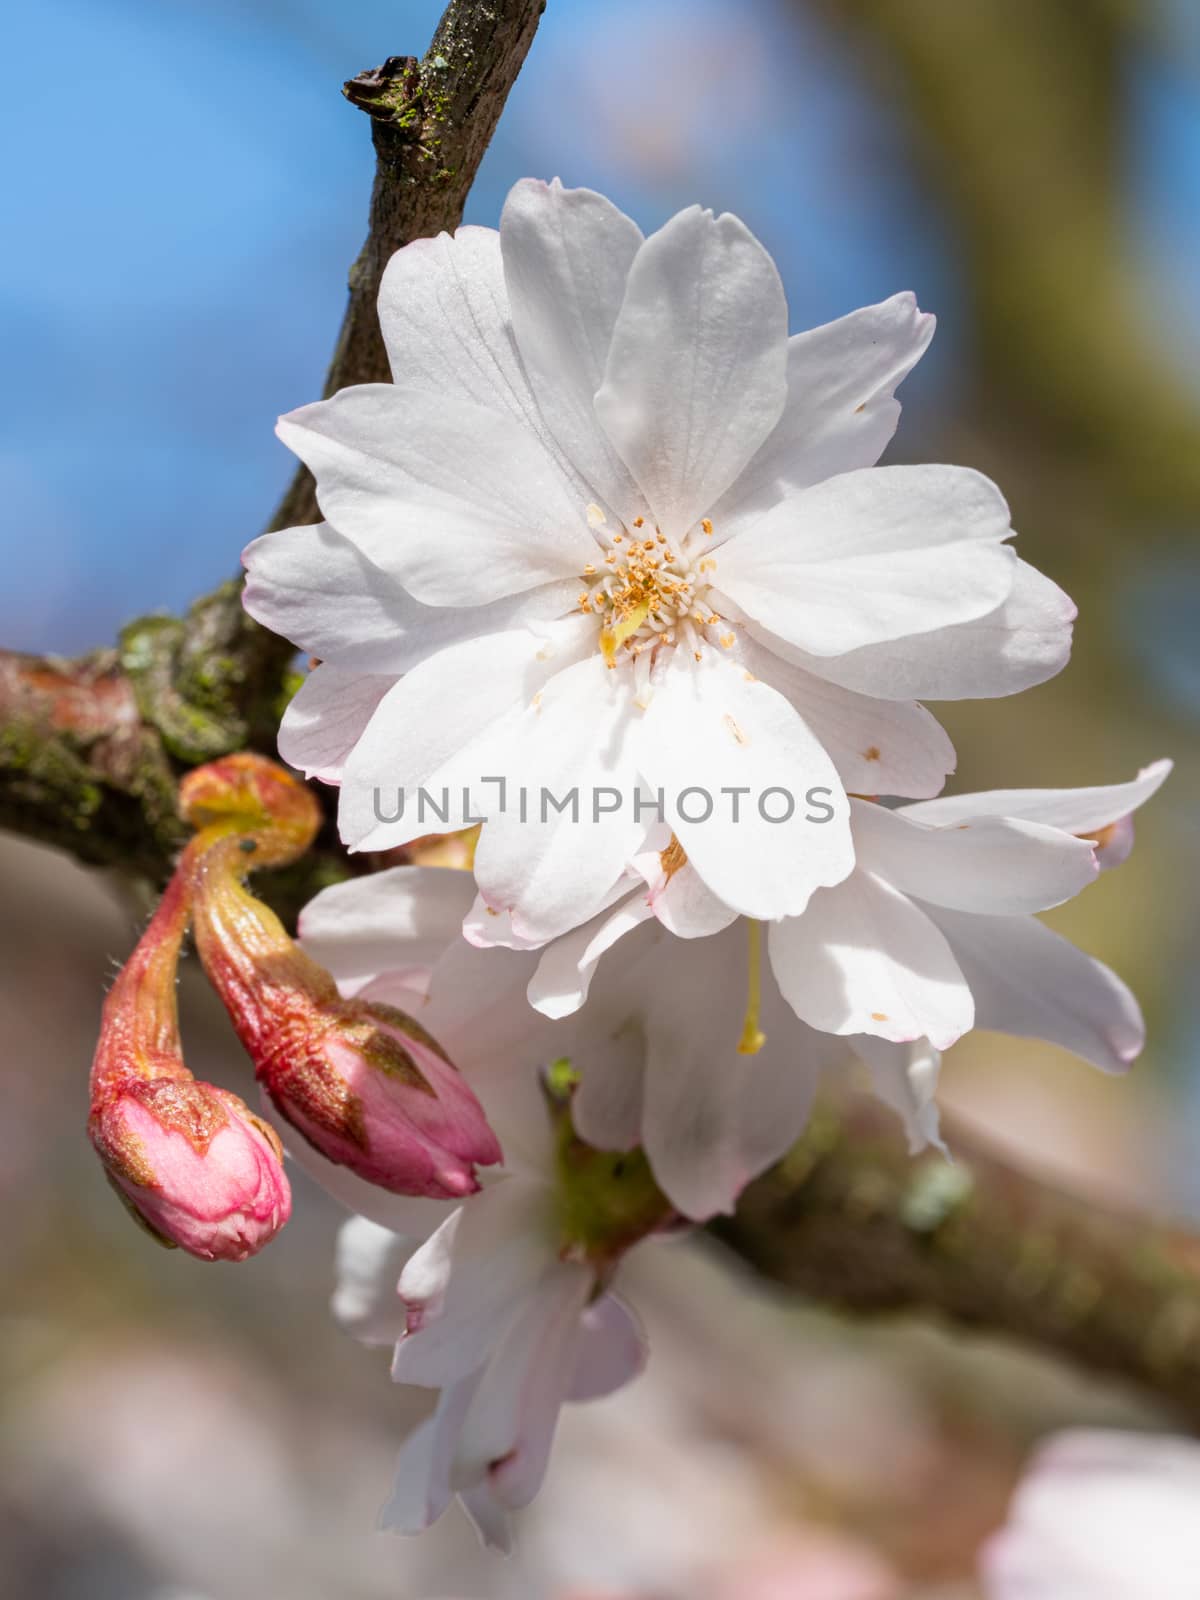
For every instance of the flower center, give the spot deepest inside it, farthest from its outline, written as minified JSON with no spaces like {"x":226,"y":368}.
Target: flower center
{"x":650,"y":593}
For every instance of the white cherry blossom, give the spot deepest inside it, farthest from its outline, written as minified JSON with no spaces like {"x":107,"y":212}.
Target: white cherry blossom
{"x":933,"y":933}
{"x":660,"y":1046}
{"x":610,"y":528}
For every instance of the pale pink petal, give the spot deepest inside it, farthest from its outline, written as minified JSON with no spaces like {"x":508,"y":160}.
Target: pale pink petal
{"x":695,"y":378}
{"x":993,"y":864}
{"x":462,"y":1283}
{"x":366,"y":1302}
{"x":434,"y":731}
{"x":872,"y":555}
{"x":461,"y":504}
{"x":567,"y":254}
{"x":878,"y":746}
{"x":1080,"y":811}
{"x":553,"y":859}
{"x":612,"y":1349}
{"x":865,"y":959}
{"x":325,"y":719}
{"x":712,"y":730}
{"x":1031,"y":982}
{"x":317,"y":589}
{"x":840,"y":411}
{"x":1019,"y":644}
{"x":403,"y":917}
{"x":905,"y":1077}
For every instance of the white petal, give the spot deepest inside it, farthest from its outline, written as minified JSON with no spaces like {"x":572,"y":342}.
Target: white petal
{"x":710,"y":730}
{"x":878,"y":746}
{"x":715,"y":1118}
{"x":461,"y":504}
{"x":612,"y":1350}
{"x":680,"y":898}
{"x":1019,"y":644}
{"x":872,"y":555}
{"x":995,"y":865}
{"x":325,"y":719}
{"x":462,"y":1283}
{"x":426,"y":730}
{"x":1076,"y":810}
{"x":510,"y":1423}
{"x":399,"y":919}
{"x":564,"y":974}
{"x":444,"y":313}
{"x":317,"y":589}
{"x":369,"y":1260}
{"x":696,"y":377}
{"x":905,"y":1077}
{"x":864,"y":959}
{"x":567,"y":254}
{"x":421,"y":1488}
{"x":553,"y":862}
{"x":840,"y":411}
{"x":490,"y":1518}
{"x":1032,"y":983}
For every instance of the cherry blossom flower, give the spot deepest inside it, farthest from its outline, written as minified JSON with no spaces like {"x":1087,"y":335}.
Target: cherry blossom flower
{"x":931,"y":933}
{"x":1101,"y":1515}
{"x":610,"y":528}
{"x":670,"y":1054}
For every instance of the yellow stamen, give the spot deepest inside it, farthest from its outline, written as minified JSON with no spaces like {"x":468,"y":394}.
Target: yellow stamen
{"x":612,"y":638}
{"x":753,"y":1038}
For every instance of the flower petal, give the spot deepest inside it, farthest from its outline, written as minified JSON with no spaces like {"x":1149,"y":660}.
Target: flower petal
{"x":446,"y":322}
{"x":460,"y":1286}
{"x":325,"y":719}
{"x":905,"y":1077}
{"x":1019,"y":644}
{"x":1035,"y":984}
{"x":432,"y":724}
{"x":1081,"y":811}
{"x":995,"y":865}
{"x":421,"y":1487}
{"x":714,"y":1118}
{"x":710,"y":732}
{"x":865,"y":959}
{"x":872,"y":555}
{"x":878,"y":746}
{"x":564,"y":974}
{"x":401,"y":918}
{"x":552,"y":857}
{"x":366,"y":1302}
{"x":567,"y":255}
{"x":510,"y":1423}
{"x":840,"y":411}
{"x":695,"y":378}
{"x":459,"y":503}
{"x":317,"y":589}
{"x":612,"y":1349}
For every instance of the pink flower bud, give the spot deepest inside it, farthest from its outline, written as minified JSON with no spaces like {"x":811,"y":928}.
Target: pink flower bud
{"x":367,"y":1087}
{"x":195,"y":1165}
{"x":373,"y":1092}
{"x":190,"y":1160}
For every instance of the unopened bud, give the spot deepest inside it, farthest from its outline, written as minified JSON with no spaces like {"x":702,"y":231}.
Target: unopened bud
{"x":360,"y":1081}
{"x":193,"y":1163}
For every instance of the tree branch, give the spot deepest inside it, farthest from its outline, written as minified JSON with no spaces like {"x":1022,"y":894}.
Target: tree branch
{"x":91,"y":749}
{"x":850,"y":1219}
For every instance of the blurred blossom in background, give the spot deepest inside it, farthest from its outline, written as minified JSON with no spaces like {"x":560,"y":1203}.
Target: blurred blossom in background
{"x":185,"y":191}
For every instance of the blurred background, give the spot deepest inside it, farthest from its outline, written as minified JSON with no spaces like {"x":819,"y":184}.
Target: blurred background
{"x":185,"y":190}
